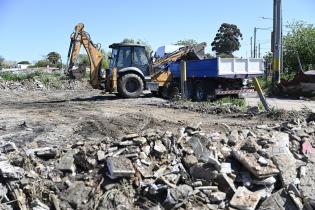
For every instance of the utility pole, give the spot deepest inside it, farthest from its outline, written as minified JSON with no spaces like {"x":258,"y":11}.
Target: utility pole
{"x":277,"y":41}
{"x":251,"y":47}
{"x":259,"y":50}
{"x":255,"y":48}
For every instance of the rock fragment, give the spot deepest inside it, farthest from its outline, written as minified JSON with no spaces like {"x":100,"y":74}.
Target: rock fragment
{"x":9,"y":171}
{"x":120,"y":167}
{"x":244,"y":199}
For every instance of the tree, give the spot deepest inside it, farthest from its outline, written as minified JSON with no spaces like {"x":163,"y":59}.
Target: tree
{"x":226,"y":40}
{"x":53,"y":58}
{"x":299,"y":43}
{"x":83,"y":59}
{"x":186,"y":42}
{"x":24,"y":62}
{"x":42,"y":63}
{"x":1,"y":62}
{"x":148,"y":47}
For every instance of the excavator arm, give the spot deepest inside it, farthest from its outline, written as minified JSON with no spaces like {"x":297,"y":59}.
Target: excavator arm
{"x":80,"y":37}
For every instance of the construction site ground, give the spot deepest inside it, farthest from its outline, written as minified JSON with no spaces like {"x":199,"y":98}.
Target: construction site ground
{"x":72,"y":115}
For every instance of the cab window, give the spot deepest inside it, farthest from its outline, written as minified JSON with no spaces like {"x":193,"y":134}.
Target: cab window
{"x":140,"y":57}
{"x":124,"y":57}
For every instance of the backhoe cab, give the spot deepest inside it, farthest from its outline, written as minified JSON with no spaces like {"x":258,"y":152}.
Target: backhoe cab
{"x":133,"y":68}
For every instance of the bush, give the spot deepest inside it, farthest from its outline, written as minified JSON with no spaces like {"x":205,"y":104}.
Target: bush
{"x":230,"y":100}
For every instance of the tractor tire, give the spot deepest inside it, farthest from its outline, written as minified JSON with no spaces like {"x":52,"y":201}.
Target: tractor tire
{"x":130,"y":86}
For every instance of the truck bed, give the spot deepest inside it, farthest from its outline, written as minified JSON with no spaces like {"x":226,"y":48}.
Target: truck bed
{"x":221,"y":67}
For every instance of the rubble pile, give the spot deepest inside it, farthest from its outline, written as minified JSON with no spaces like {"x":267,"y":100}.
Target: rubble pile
{"x":204,"y":107}
{"x":37,"y":85}
{"x":262,"y":167}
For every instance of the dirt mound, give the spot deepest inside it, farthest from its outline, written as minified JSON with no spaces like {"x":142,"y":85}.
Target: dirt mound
{"x":114,"y":127}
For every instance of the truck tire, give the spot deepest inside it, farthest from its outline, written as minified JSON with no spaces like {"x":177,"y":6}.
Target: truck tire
{"x":130,"y":86}
{"x":199,"y":91}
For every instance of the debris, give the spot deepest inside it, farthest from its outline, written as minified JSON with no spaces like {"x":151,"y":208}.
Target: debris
{"x":249,"y":161}
{"x":66,"y":163}
{"x":233,"y":138}
{"x":9,"y":147}
{"x":9,"y":171}
{"x":120,"y":167}
{"x":77,"y":194}
{"x":217,"y":196}
{"x":159,"y":148}
{"x":279,"y":200}
{"x":157,"y":169}
{"x":244,"y":199}
{"x":287,"y":167}
{"x":307,"y":148}
{"x":37,"y":205}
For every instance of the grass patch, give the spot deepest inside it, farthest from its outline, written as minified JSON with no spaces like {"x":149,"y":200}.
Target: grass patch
{"x":230,"y":100}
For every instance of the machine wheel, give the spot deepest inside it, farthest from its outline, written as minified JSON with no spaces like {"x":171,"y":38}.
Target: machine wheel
{"x":130,"y":86}
{"x":199,"y":93}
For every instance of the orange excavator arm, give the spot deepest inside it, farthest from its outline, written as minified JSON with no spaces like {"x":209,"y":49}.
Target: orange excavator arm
{"x":80,"y":37}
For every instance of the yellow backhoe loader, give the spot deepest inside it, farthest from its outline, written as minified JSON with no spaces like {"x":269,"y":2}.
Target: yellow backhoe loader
{"x":131,"y":69}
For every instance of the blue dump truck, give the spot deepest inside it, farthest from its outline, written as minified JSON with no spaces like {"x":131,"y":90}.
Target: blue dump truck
{"x":208,"y":78}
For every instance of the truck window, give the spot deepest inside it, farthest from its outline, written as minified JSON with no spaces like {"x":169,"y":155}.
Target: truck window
{"x":124,"y":57}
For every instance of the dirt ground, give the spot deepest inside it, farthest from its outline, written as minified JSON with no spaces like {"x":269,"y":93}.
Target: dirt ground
{"x":47,"y":118}
{"x":287,"y":104}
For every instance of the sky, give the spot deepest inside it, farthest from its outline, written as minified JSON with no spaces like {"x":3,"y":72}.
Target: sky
{"x":30,"y":29}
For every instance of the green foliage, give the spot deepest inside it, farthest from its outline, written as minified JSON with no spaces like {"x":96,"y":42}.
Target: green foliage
{"x":1,"y":62}
{"x":231,"y":100}
{"x":48,"y":79}
{"x":83,"y":59}
{"x":42,"y":63}
{"x":24,"y":62}
{"x":265,"y":83}
{"x":186,"y":42}
{"x":53,"y":58}
{"x":225,"y":55}
{"x":10,"y":76}
{"x":105,"y":62}
{"x":227,"y":39}
{"x":299,"y":42}
{"x":268,"y":57}
{"x":148,"y":47}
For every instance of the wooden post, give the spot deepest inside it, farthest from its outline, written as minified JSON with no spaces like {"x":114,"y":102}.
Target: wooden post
{"x":261,"y":95}
{"x":183,"y":79}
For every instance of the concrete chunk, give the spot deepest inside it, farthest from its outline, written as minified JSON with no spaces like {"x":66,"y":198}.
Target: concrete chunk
{"x":129,"y":136}
{"x":280,"y":200}
{"x":217,"y":196}
{"x":244,"y":199}
{"x":286,"y":164}
{"x":249,"y":161}
{"x":9,"y":147}
{"x":9,"y":171}
{"x":159,"y":148}
{"x":66,"y":163}
{"x":120,"y":167}
{"x":233,"y":138}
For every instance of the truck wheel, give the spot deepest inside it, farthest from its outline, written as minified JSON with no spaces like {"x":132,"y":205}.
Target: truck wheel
{"x":199,"y":93}
{"x":130,"y":86}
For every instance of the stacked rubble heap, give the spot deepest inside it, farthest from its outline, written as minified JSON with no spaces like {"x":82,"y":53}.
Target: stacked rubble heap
{"x":261,"y":167}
